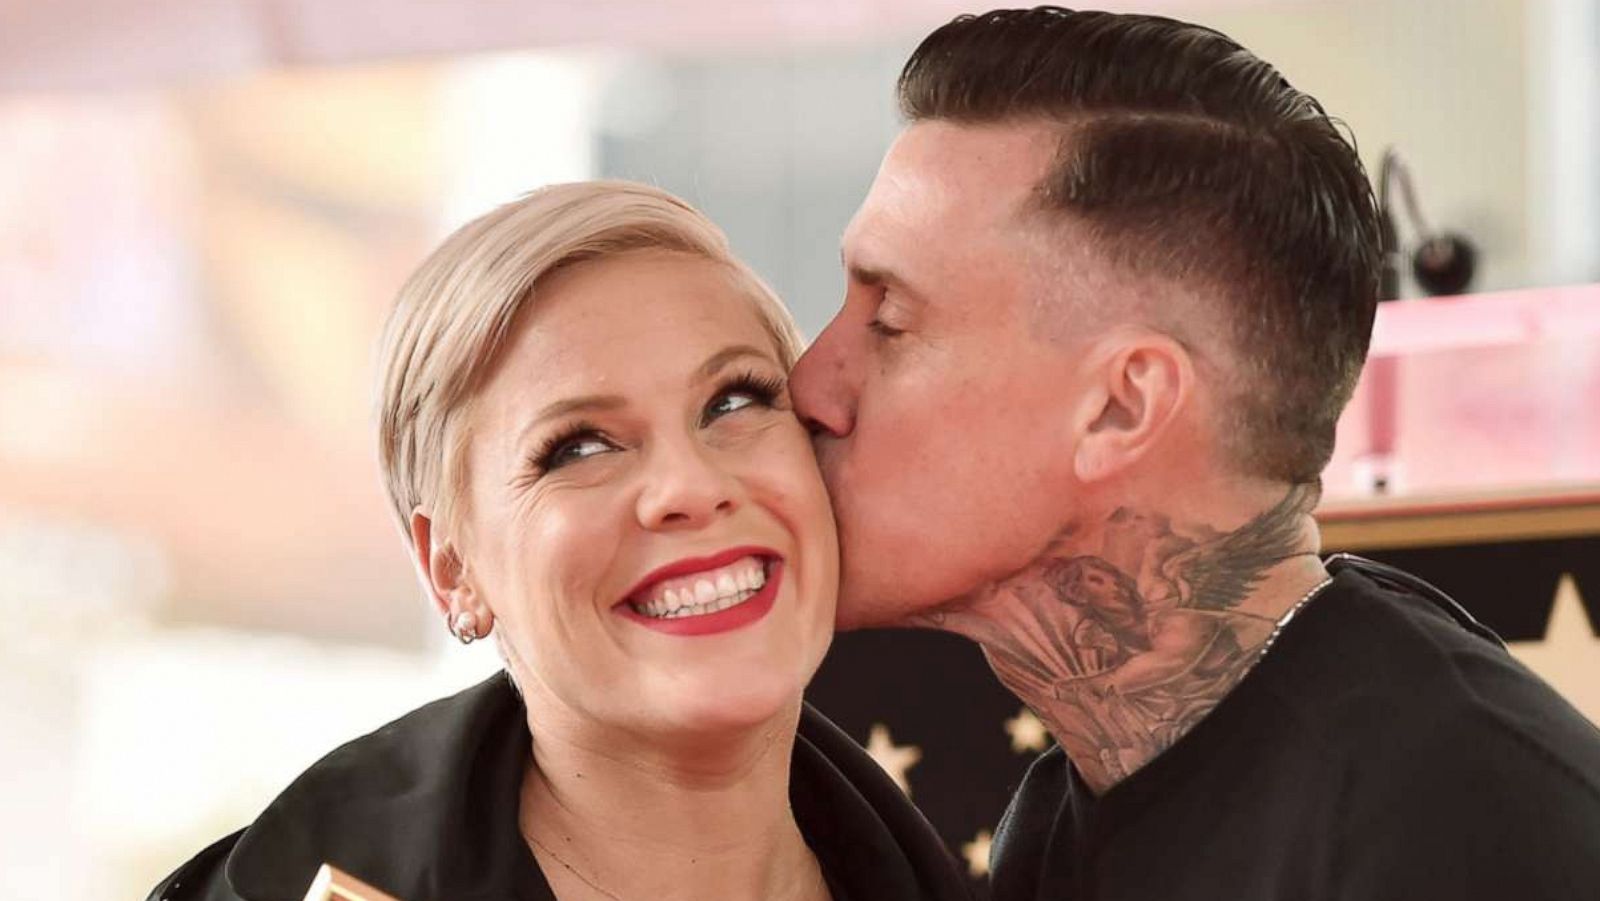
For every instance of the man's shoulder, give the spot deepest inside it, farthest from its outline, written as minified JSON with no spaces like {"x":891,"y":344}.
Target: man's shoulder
{"x":1382,"y":675}
{"x":1487,"y":801}
{"x":1452,"y":709}
{"x":1368,"y":653}
{"x":1463,"y":768}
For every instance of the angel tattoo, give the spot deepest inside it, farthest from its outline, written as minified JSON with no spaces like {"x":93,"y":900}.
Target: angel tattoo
{"x":1144,"y":646}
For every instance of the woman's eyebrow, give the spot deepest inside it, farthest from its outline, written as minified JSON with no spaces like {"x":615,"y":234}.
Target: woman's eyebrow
{"x":605,"y":402}
{"x":581,"y":404}
{"x":719,"y":360}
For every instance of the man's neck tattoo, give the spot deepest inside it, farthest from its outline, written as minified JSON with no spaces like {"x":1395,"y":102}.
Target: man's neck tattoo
{"x":1123,"y":650}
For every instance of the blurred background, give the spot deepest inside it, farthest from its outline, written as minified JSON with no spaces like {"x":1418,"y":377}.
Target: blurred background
{"x":207,"y":205}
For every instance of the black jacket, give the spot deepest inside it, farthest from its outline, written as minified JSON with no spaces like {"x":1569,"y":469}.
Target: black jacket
{"x":425,"y":808}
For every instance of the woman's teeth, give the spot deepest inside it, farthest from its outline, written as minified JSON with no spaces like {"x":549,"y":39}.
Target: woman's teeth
{"x":703,"y":593}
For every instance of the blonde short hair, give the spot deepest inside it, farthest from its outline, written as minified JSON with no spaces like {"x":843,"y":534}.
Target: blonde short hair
{"x":452,"y":316}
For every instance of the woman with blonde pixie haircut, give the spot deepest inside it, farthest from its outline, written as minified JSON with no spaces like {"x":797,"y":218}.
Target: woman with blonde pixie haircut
{"x":587,"y":438}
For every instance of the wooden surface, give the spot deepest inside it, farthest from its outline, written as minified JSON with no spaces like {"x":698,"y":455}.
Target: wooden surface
{"x":1460,"y":519}
{"x":333,"y":884}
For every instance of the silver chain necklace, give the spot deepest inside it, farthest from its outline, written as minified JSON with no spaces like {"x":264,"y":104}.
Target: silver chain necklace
{"x":818,"y":878}
{"x":1289,"y":615}
{"x":570,"y":868}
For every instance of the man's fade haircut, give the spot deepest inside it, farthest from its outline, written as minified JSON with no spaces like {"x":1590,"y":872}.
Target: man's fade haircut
{"x":1186,"y":157}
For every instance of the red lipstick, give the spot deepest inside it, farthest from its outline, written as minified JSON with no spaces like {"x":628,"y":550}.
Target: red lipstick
{"x":752,"y":610}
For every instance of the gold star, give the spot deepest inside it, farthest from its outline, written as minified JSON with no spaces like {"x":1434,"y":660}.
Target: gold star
{"x":895,"y":759}
{"x":977,"y":853}
{"x":1569,"y":656}
{"x":1027,"y":732}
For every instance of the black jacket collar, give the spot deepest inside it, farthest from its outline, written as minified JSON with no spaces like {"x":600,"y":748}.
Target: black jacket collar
{"x":426,"y":809}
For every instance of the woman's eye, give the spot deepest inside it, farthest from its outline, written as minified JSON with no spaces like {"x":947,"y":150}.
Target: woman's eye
{"x":572,"y":450}
{"x":578,"y":450}
{"x":745,"y":391}
{"x":731,"y":402}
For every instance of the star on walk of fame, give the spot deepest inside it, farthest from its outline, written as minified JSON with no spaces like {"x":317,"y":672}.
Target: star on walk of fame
{"x":895,"y":759}
{"x":1027,"y":732}
{"x":976,"y":853}
{"x":1569,"y":655}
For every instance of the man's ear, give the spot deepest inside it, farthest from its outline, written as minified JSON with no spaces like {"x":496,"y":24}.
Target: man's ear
{"x":439,"y":565}
{"x":1139,"y":388}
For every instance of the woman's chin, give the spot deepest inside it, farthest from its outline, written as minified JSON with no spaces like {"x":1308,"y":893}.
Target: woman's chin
{"x":727,"y":706}
{"x":742,"y":681}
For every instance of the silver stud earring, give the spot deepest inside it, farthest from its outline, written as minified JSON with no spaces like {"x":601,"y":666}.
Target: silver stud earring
{"x":465,"y":627}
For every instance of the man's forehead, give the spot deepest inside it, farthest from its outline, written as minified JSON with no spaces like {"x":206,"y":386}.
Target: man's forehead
{"x":971,"y":162}
{"x":953,"y":177}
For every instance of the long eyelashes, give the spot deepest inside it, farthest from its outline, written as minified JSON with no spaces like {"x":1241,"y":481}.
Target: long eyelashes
{"x":762,"y":390}
{"x":555,"y":451}
{"x":566,"y":446}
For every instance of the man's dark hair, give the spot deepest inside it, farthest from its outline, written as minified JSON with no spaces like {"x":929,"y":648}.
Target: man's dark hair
{"x":1186,"y":157}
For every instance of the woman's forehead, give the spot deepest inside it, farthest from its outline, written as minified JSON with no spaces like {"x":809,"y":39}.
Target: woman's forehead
{"x":636,"y":322}
{"x":633,"y":296}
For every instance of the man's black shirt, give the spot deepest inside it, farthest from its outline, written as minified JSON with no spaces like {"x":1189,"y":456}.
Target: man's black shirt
{"x":1378,"y":751}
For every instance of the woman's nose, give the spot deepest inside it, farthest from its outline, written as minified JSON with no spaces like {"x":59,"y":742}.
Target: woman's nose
{"x":686,"y":489}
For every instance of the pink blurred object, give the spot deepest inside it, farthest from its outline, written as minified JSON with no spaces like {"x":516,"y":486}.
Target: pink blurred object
{"x":1410,"y":327}
{"x":1497,"y":392}
{"x":99,"y":44}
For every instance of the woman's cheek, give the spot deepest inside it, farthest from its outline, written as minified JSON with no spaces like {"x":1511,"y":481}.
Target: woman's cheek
{"x":584,"y":534}
{"x":800,"y":463}
{"x":572,"y":519}
{"x":773,"y":464}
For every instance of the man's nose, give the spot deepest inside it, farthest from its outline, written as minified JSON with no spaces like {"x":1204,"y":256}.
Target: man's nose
{"x":686,"y":488}
{"x":822,"y":386}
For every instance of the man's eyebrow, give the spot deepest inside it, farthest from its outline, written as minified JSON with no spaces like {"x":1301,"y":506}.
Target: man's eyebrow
{"x":719,"y":360}
{"x":868,"y":276}
{"x":877,"y":276}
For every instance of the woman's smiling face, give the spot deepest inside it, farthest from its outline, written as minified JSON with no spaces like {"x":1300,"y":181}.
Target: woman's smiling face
{"x":644,"y":516}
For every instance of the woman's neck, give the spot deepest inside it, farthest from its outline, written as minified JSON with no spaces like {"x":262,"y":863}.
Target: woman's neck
{"x":618,"y":817}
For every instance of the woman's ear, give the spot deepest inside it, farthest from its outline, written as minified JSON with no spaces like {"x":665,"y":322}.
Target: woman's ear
{"x":1143,"y":383}
{"x":439,"y":566}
